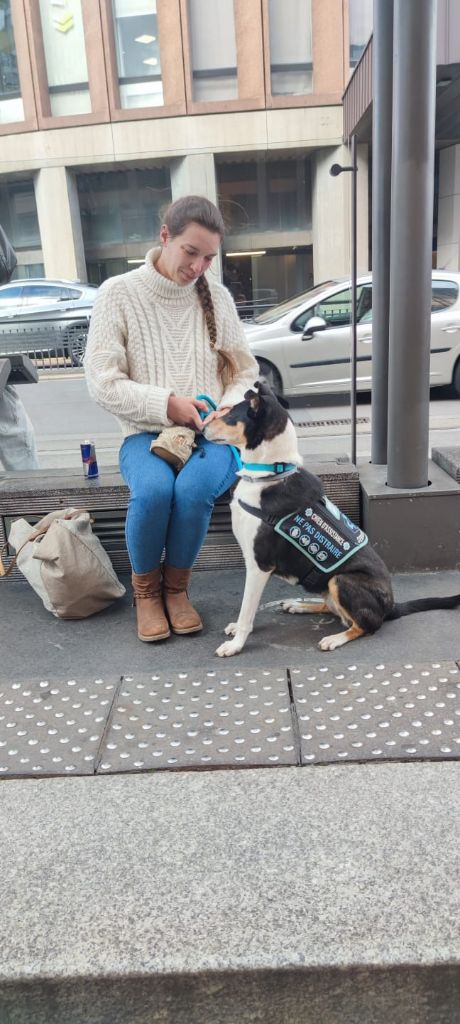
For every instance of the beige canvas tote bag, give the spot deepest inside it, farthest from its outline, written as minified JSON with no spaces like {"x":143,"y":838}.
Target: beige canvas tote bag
{"x":65,"y":563}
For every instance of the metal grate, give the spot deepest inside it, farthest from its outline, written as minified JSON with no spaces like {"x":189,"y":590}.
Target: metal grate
{"x":201,"y":720}
{"x":378,"y":713}
{"x":333,"y":423}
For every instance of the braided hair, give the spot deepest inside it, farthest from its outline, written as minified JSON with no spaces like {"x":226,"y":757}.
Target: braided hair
{"x":177,"y":216}
{"x":225,"y":362}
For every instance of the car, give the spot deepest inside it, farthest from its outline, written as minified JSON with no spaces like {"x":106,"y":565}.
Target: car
{"x":46,"y":318}
{"x":303,"y":345}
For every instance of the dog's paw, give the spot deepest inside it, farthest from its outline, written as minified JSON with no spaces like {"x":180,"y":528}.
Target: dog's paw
{"x":230,"y":630}
{"x":329,"y":643}
{"x":228,"y":648}
{"x":293,"y":605}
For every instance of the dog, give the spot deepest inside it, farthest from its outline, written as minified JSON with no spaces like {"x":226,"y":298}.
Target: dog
{"x":280,"y":515}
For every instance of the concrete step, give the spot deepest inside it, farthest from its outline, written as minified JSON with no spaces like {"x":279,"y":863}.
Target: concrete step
{"x":265,"y":896}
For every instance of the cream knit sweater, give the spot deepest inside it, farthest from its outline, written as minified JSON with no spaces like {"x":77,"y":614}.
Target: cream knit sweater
{"x":148,"y":339}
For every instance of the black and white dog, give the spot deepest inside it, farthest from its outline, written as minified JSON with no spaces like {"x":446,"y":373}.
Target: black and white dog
{"x":286,"y":527}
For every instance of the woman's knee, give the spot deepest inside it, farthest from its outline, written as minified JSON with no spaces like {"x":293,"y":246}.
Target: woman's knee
{"x":150,"y":497}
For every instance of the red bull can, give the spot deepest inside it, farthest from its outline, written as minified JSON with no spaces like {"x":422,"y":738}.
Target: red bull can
{"x":88,"y":458}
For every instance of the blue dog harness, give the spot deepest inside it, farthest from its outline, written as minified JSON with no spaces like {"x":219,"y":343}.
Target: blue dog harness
{"x":321,"y":532}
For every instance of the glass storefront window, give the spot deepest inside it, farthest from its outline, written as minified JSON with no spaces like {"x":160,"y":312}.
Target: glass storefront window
{"x":18,"y":214}
{"x":11,"y":105}
{"x":138,"y":53}
{"x":27,"y":270}
{"x":65,"y":57}
{"x":259,"y":281}
{"x":213,"y":50}
{"x":122,"y":208}
{"x":361,"y":20}
{"x":265,"y":195}
{"x":291,"y":60}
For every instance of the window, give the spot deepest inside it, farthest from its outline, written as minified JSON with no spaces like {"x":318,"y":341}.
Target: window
{"x":42,"y":294}
{"x":65,"y":57}
{"x":443,"y":295}
{"x":25,"y":270}
{"x":121,"y":208}
{"x":18,"y":214}
{"x":138,"y":53}
{"x":291,"y":59}
{"x":11,"y":106}
{"x":213,"y":50}
{"x":336,"y":309}
{"x":10,"y":296}
{"x":360,"y":28}
{"x":265,"y":195}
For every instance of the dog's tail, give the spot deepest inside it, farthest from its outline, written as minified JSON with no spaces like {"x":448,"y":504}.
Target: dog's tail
{"x":423,"y":604}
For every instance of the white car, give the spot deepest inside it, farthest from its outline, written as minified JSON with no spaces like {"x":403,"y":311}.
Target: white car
{"x":303,"y":346}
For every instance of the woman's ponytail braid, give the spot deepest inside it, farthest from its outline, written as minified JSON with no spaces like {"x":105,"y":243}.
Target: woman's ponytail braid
{"x":226,"y":364}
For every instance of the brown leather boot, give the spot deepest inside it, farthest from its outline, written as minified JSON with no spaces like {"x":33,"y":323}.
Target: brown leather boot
{"x":181,"y":614}
{"x":152,"y":623}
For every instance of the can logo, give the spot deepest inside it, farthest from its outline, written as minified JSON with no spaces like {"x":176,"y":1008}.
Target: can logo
{"x":88,"y":458}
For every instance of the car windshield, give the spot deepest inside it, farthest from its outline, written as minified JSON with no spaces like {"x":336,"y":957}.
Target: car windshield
{"x":285,"y":307}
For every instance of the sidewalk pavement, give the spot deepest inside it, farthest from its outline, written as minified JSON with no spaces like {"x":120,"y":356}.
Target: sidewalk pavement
{"x":322,"y":885}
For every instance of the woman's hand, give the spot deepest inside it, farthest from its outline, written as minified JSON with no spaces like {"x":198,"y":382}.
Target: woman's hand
{"x":184,"y":411}
{"x":216,"y":414}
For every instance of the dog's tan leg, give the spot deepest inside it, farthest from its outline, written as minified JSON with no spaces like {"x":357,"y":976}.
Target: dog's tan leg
{"x":329,"y":643}
{"x":297,"y":606}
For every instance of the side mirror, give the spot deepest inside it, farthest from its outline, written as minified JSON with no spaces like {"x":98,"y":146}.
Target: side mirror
{"x":314,"y":324}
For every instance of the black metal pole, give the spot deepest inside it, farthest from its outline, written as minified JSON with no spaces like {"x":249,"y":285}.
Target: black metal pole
{"x":354,"y":275}
{"x":335,"y":170}
{"x":382,"y":94}
{"x":412,"y":185}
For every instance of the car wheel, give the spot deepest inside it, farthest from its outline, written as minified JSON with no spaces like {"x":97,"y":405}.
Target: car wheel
{"x":270,"y":375}
{"x":75,"y":343}
{"x":456,"y":379}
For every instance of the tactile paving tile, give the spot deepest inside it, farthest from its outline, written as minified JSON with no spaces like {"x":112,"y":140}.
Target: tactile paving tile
{"x":200,"y":719}
{"x":378,"y":713}
{"x":53,"y":728}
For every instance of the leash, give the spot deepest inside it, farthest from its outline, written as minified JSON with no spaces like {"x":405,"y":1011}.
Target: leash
{"x":212,"y":407}
{"x":264,"y":467}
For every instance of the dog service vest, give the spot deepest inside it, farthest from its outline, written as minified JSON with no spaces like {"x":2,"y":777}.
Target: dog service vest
{"x":324,"y":534}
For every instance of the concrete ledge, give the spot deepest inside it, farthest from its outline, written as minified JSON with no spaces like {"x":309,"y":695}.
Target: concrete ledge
{"x":34,"y":494}
{"x":412,"y":530}
{"x":324,"y":894}
{"x":449,"y":460}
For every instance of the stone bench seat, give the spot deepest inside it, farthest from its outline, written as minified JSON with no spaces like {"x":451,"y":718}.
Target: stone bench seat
{"x":33,"y":495}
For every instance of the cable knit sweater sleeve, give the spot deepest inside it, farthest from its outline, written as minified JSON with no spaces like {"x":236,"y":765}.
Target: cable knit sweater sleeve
{"x":106,"y":364}
{"x":232,"y":337}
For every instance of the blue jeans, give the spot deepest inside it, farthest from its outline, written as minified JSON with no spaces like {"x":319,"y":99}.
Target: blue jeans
{"x":169,"y":511}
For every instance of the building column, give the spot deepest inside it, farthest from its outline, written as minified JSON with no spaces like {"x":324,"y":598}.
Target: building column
{"x":196,"y":175}
{"x":60,"y":224}
{"x":331,"y":214}
{"x":448,"y":256}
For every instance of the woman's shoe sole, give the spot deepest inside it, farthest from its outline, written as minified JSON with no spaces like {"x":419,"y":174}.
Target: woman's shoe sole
{"x":183,"y":632}
{"x":151,"y":639}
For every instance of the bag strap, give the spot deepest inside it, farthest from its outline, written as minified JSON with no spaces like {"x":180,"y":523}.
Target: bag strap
{"x":34,"y":536}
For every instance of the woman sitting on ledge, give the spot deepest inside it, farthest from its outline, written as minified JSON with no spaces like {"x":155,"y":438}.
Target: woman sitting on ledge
{"x":161,"y":335}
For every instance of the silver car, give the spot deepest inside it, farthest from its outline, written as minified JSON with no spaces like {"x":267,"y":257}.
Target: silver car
{"x":46,"y":319}
{"x":303,"y":346}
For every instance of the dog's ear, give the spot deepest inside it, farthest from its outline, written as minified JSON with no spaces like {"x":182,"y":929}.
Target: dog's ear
{"x":282,"y":401}
{"x":254,"y":406}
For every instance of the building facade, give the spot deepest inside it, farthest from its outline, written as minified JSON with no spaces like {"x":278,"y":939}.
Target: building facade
{"x":111,"y":108}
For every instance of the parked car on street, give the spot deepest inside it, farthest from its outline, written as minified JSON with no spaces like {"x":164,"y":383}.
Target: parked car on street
{"x":303,"y":345}
{"x":40,"y":317}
